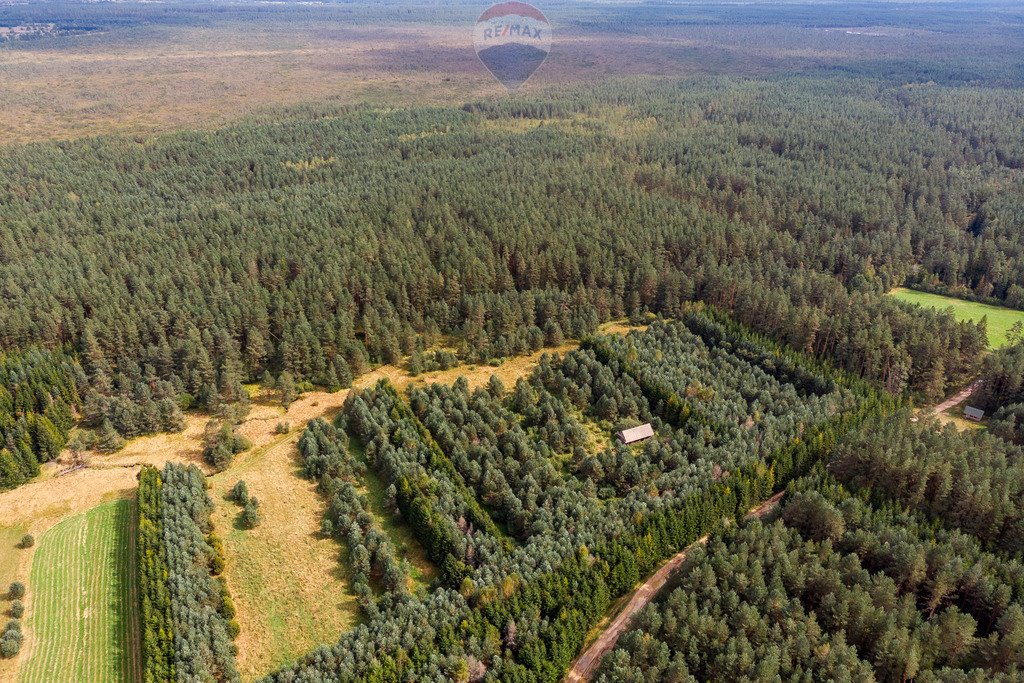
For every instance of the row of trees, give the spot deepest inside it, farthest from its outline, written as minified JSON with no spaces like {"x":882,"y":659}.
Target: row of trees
{"x":156,"y":626}
{"x":373,"y":556}
{"x":455,"y":531}
{"x":187,"y":615}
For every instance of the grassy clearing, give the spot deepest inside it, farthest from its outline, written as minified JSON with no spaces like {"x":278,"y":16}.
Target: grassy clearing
{"x":83,"y":612}
{"x":10,"y":553}
{"x":1000,"y":319}
{"x":955,"y":417}
{"x":291,"y":590}
{"x":598,"y":437}
{"x":962,"y":424}
{"x":423,"y":571}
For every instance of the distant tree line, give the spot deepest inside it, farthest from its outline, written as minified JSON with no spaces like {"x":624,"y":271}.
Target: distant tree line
{"x":762,"y":198}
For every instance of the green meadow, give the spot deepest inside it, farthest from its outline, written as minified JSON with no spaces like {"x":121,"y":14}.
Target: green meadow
{"x":83,"y":597}
{"x":1000,"y":319}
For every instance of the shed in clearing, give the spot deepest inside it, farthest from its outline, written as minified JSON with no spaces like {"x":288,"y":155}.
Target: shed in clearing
{"x":975,"y":414}
{"x":636,"y":434}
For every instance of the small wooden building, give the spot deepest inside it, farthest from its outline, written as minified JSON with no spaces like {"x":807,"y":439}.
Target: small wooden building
{"x":636,"y":434}
{"x":975,"y":414}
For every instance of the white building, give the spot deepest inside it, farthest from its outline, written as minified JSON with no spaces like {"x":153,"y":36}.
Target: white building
{"x":636,"y":434}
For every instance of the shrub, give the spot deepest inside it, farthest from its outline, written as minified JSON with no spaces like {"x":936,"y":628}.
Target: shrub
{"x":251,"y":517}
{"x":17,"y":609}
{"x":27,"y":541}
{"x":10,"y":639}
{"x":16,"y":591}
{"x":240,"y":493}
{"x":222,"y":444}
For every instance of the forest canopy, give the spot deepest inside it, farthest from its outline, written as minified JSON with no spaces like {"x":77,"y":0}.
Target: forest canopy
{"x":340,"y":237}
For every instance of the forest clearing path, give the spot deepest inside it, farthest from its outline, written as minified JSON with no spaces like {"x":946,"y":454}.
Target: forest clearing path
{"x":957,"y":399}
{"x":586,"y":665}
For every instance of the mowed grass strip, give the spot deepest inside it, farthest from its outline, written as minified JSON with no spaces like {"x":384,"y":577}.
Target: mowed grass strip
{"x":1000,"y":319}
{"x":82,"y":582}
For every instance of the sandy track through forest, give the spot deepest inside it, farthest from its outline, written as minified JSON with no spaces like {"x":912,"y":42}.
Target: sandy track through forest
{"x":956,"y":400}
{"x":584,"y":668}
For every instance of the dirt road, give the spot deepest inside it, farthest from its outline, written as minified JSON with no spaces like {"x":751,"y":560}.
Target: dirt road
{"x":959,"y":398}
{"x":586,"y":665}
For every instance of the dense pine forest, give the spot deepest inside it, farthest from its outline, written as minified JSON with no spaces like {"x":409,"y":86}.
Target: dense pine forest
{"x":837,"y":589}
{"x":38,"y":393}
{"x":740,"y":212}
{"x":334,"y":239}
{"x":536,"y":528}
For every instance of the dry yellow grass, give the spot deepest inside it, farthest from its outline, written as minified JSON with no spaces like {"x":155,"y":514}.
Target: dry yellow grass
{"x":291,"y":591}
{"x":622,"y":327}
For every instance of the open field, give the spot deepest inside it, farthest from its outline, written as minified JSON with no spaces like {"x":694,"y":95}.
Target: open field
{"x":83,"y":600}
{"x":141,"y":69}
{"x":289,"y":587}
{"x":1000,"y":319}
{"x":954,"y":416}
{"x":10,"y":553}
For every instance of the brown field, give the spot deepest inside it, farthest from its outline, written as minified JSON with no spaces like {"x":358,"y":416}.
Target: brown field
{"x":153,"y":74}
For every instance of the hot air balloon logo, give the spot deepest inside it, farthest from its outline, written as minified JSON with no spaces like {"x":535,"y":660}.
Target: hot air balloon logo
{"x":512,"y":39}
